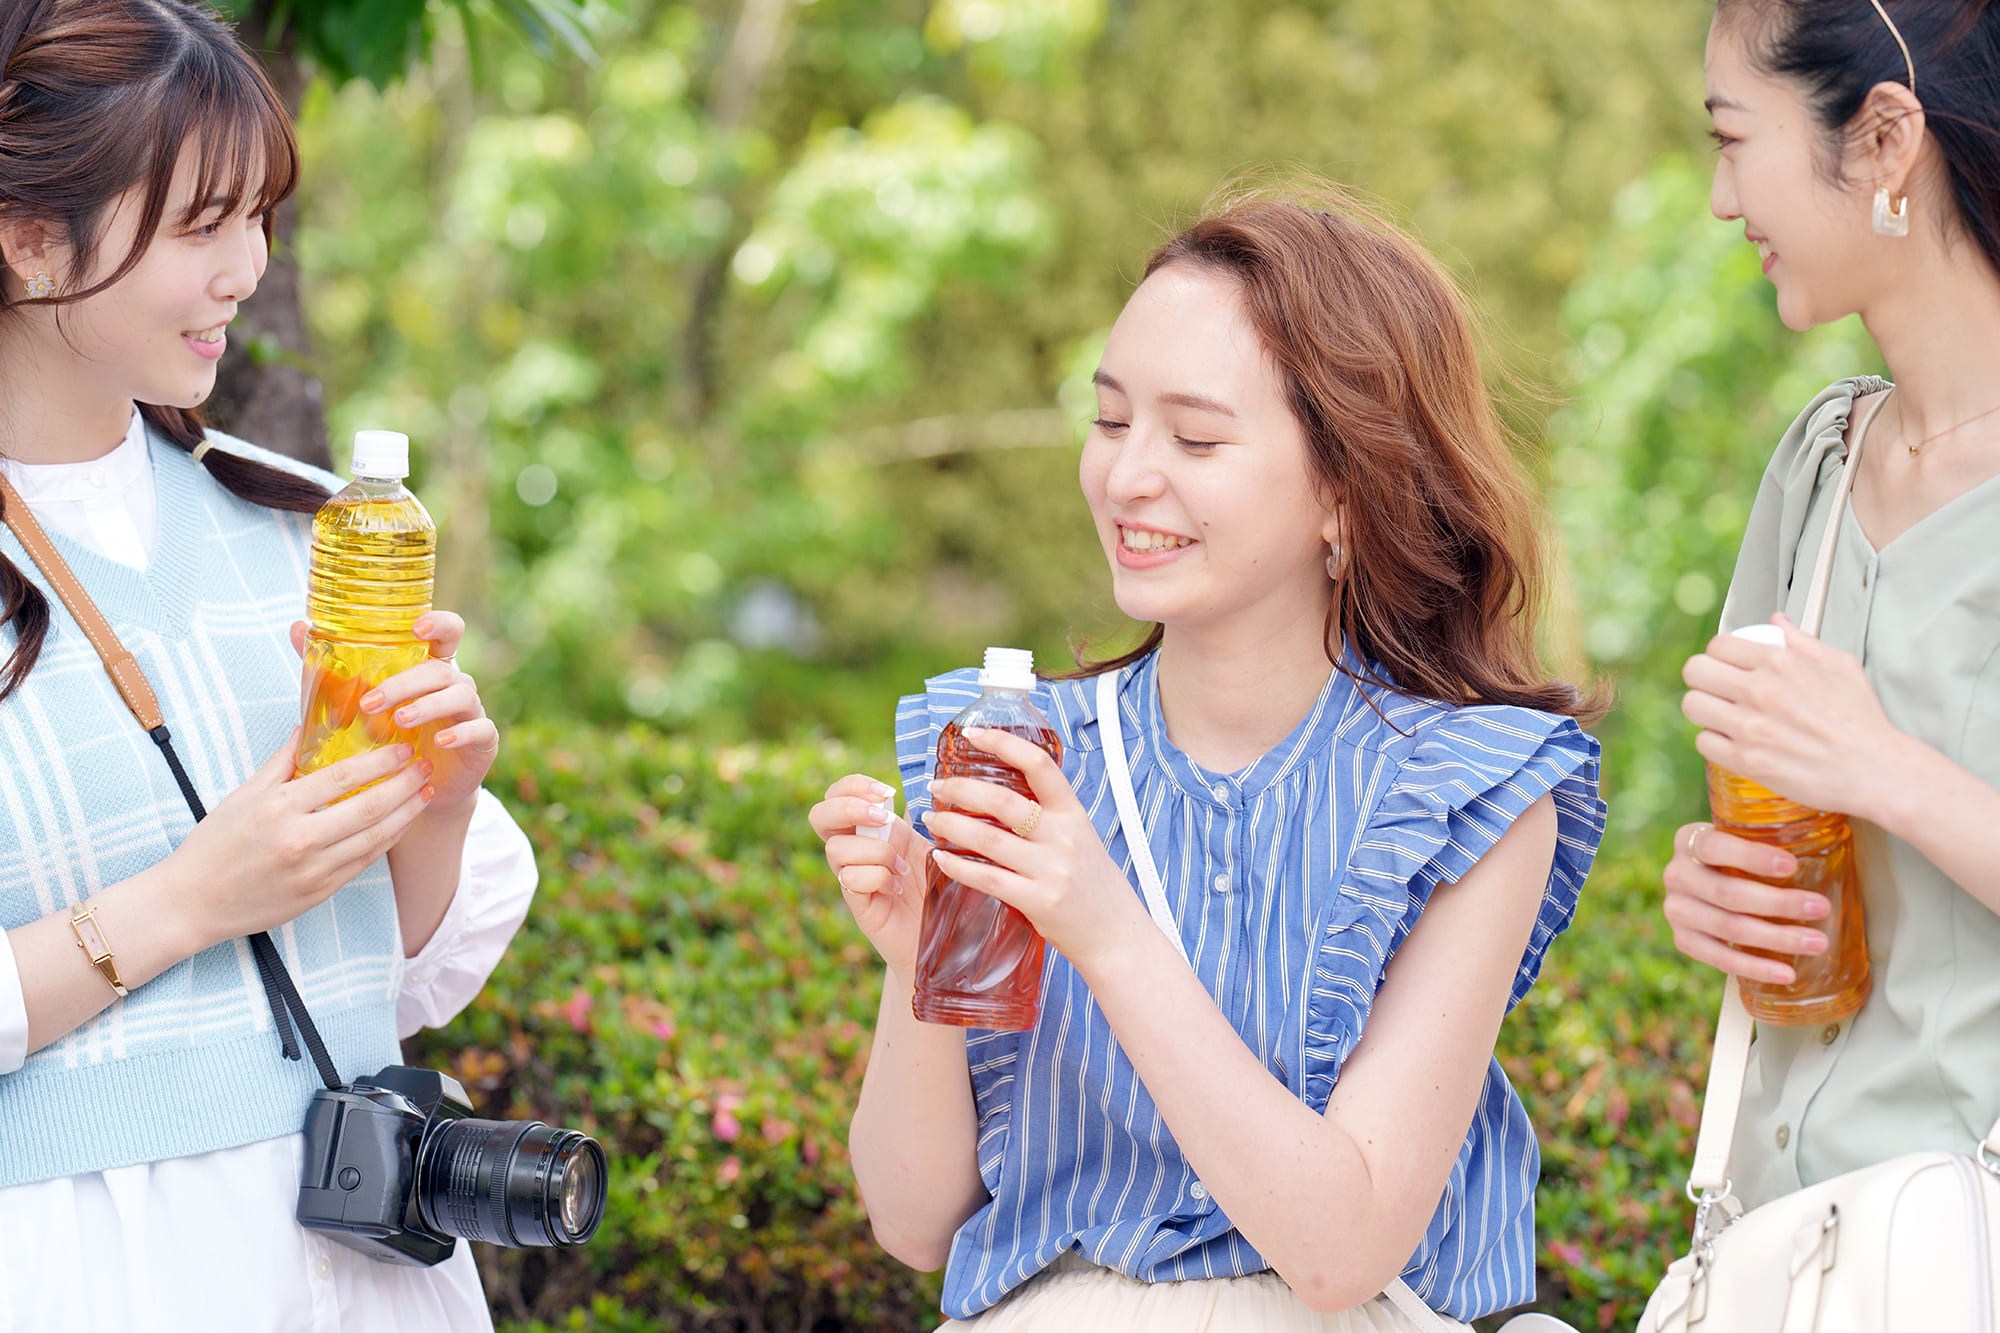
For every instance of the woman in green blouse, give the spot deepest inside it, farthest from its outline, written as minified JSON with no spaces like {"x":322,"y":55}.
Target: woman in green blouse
{"x":1860,"y":147}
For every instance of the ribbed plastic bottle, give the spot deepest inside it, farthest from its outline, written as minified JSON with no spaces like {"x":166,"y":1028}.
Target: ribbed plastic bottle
{"x":979,"y":962}
{"x":1829,"y":986}
{"x":374,"y":557}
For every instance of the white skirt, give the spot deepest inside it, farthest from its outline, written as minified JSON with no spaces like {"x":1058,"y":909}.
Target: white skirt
{"x":205,"y":1244}
{"x":1075,"y":1294}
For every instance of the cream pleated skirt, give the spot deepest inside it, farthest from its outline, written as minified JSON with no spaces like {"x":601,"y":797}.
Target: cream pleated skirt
{"x":1075,"y":1294}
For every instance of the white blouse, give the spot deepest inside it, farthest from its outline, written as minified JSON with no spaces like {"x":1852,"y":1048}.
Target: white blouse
{"x":195,"y":1244}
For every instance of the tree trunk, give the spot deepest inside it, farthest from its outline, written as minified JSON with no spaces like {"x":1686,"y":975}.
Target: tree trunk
{"x":266,"y":393}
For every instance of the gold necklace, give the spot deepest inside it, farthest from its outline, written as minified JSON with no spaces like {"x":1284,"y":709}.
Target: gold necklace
{"x":1949,"y":429}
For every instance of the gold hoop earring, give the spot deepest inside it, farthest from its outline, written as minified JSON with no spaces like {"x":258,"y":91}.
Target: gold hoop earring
{"x":1892,"y":217}
{"x":40,"y":287}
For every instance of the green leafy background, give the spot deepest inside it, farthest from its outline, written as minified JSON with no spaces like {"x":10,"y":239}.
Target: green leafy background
{"x":745,"y":361}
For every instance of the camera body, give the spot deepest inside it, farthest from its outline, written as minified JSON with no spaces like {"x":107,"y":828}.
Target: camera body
{"x":397,"y":1167}
{"x":362,"y":1146}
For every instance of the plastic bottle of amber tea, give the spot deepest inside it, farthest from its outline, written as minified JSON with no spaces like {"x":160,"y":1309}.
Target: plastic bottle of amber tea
{"x":979,"y":962}
{"x":374,"y":556}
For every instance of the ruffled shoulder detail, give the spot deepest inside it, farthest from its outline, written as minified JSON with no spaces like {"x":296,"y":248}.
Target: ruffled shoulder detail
{"x":920,"y":718}
{"x":1808,"y":458}
{"x":1466,"y":775}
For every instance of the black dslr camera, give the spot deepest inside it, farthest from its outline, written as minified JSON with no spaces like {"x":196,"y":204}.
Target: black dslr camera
{"x":397,"y":1168}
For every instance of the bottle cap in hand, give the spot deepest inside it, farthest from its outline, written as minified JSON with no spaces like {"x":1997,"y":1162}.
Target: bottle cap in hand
{"x":880,"y":831}
{"x":1773,"y":635}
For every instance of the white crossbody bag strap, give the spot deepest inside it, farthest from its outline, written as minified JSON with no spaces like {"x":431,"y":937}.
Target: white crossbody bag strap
{"x":1111,"y":729}
{"x":1731,"y":1059}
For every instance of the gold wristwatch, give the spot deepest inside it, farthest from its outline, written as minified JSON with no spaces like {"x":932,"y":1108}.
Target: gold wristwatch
{"x":91,"y":940}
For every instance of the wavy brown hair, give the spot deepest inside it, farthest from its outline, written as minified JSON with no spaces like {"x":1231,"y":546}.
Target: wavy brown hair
{"x":101,"y":97}
{"x":1441,"y":580}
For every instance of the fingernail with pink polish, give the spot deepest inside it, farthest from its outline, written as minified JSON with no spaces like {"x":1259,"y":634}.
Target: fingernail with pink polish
{"x":372,"y":701}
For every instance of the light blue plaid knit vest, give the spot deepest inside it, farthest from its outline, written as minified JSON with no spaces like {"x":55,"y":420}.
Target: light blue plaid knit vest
{"x":188,"y":1063}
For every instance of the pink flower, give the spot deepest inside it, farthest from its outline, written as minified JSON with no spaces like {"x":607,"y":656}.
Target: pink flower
{"x":776,"y":1130}
{"x":1568,"y":1253}
{"x":732,"y":1169}
{"x":727,"y":1127}
{"x":664,"y":1030}
{"x":810,"y":1151}
{"x":577,"y":1009}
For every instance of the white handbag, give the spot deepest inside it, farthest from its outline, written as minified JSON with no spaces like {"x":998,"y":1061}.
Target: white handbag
{"x":1111,"y":729}
{"x":1906,"y":1246}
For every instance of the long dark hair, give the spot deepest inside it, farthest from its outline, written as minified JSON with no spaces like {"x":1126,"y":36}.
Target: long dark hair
{"x":101,"y":97}
{"x":1837,"y":50}
{"x":1442,"y":548}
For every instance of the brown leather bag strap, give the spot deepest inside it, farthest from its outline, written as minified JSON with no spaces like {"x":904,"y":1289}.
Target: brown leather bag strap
{"x":119,"y":663}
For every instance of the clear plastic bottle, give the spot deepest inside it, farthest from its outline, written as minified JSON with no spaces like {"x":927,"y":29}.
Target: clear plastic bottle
{"x":374,"y":556}
{"x":1830,"y":986}
{"x":979,"y":962}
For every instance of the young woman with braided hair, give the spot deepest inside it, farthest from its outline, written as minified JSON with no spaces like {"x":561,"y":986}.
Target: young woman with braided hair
{"x":149,"y":1147}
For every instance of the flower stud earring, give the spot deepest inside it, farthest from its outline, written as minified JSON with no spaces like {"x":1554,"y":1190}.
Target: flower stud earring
{"x":40,"y":286}
{"x":1892,"y":217}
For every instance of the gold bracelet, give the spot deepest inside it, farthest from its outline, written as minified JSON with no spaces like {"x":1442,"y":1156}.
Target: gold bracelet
{"x":90,"y":939}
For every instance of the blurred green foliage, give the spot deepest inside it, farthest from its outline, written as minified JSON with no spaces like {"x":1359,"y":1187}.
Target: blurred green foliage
{"x":378,"y":40}
{"x":745,"y":363}
{"x":690,"y":991}
{"x":745,"y":367}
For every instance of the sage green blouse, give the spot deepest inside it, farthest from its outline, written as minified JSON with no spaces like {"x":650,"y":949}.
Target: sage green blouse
{"x":1919,"y":1066}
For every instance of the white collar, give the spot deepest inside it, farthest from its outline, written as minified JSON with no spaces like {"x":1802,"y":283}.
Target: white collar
{"x":93,"y":479}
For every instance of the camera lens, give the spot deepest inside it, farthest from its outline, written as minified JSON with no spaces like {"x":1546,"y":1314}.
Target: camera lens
{"x":511,"y":1182}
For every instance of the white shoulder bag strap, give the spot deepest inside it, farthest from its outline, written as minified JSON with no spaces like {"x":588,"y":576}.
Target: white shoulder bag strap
{"x":1111,"y":729}
{"x":1731,"y":1058}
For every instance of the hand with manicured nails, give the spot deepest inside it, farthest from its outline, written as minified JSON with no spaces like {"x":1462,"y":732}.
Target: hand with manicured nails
{"x":1713,"y":912}
{"x":275,"y":848}
{"x":881,"y":881}
{"x":1059,"y":877}
{"x":441,"y":703}
{"x":1804,"y":721}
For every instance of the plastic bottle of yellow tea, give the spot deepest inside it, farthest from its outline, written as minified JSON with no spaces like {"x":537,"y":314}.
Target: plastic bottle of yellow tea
{"x":374,"y":554}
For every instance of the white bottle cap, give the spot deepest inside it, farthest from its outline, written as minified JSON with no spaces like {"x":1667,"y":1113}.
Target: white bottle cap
{"x":381,"y":453}
{"x":1773,"y":635}
{"x":880,"y":831}
{"x":1008,"y":669}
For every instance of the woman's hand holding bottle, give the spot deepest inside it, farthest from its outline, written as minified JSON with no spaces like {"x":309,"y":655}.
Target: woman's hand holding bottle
{"x":1712,"y":911}
{"x":1804,"y":721}
{"x":276,"y":847}
{"x":881,"y":879}
{"x":1059,"y":876}
{"x":441,"y":702}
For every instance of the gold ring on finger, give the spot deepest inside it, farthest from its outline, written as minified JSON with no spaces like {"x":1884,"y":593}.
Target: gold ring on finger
{"x":1027,"y":826}
{"x":1694,"y":833}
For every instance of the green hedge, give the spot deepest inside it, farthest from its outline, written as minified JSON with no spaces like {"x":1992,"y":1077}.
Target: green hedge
{"x":689,"y":989}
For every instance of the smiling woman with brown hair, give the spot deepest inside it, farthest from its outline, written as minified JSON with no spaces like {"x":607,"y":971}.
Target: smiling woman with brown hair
{"x":1271,"y":1102}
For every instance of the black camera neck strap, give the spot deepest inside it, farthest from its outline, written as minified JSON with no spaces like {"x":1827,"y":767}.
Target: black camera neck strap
{"x":288,"y":1009}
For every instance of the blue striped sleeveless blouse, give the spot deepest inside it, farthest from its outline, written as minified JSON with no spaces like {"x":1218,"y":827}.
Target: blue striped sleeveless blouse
{"x":1293,"y":882}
